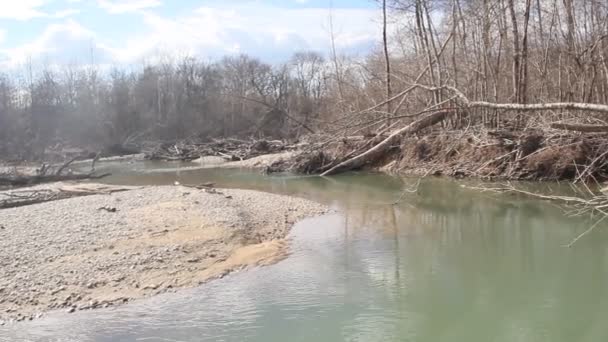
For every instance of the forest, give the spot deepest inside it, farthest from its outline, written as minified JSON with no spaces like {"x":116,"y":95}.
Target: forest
{"x":488,"y":88}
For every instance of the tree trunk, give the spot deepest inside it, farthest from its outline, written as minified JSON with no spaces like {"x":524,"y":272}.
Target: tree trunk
{"x":516,"y":51}
{"x":389,"y":92}
{"x":380,"y":149}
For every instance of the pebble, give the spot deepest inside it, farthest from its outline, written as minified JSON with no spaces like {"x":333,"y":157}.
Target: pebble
{"x":151,"y":287}
{"x":74,"y":244}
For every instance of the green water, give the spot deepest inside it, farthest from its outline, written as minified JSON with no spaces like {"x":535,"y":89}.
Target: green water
{"x":445,"y":264}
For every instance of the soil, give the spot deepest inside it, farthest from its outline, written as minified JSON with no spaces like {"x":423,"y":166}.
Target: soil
{"x":498,"y":154}
{"x":530,"y":155}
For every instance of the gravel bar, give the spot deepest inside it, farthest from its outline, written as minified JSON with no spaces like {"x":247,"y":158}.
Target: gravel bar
{"x":103,"y":250}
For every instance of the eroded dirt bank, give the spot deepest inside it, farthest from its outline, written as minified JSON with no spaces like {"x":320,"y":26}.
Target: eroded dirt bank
{"x":487,"y":154}
{"x":103,"y":250}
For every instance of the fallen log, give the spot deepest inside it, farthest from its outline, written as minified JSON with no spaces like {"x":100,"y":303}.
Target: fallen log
{"x":580,"y":127}
{"x":44,"y":175}
{"x":38,"y":179}
{"x":466,"y":103}
{"x":379,"y":149}
{"x":46,"y":193}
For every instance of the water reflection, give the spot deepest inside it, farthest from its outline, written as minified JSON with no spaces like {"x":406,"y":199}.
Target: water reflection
{"x":445,"y":264}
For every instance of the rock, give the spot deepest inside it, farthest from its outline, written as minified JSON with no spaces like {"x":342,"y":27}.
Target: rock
{"x":72,"y":253}
{"x":57,"y":290}
{"x":119,"y":278}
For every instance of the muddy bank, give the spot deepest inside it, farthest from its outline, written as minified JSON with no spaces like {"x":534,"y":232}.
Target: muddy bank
{"x":528,"y":155}
{"x":486,"y":154}
{"x":103,"y":250}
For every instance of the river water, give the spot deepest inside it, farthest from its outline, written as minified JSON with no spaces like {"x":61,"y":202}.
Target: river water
{"x":445,"y":264}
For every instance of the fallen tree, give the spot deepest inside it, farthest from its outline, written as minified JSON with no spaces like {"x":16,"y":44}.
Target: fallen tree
{"x":53,"y":192}
{"x":588,"y":202}
{"x":48,"y":174}
{"x":580,"y":127}
{"x":377,"y":151}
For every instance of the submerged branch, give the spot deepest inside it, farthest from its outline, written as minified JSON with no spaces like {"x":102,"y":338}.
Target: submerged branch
{"x":595,"y":203}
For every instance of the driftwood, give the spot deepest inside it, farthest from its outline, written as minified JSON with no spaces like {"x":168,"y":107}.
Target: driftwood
{"x":38,"y":179}
{"x":378,"y":150}
{"x":589,"y":204}
{"x":464,"y":102}
{"x":580,"y":127}
{"x":229,"y":149}
{"x":46,"y":193}
{"x":45,"y":175}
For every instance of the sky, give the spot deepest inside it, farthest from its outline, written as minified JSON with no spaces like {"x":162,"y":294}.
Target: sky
{"x":135,"y":31}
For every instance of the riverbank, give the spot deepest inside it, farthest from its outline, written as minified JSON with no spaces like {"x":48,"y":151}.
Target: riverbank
{"x":104,"y":250}
{"x":531,"y":155}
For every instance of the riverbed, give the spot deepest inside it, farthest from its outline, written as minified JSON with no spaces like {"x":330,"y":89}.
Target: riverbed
{"x":444,"y":264}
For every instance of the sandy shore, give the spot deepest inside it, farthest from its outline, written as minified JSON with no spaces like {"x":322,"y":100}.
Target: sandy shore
{"x":102,"y":250}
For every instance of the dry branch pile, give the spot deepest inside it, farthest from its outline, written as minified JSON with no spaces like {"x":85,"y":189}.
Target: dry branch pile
{"x":520,"y":149}
{"x":57,"y":191}
{"x":47,"y":174}
{"x":230,"y":149}
{"x":546,"y":152}
{"x":527,"y":155}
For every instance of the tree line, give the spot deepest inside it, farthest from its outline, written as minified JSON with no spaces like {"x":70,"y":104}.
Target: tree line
{"x":488,"y":51}
{"x":89,"y":107}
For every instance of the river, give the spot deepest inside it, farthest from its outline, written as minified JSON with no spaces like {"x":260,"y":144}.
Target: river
{"x":445,"y":264}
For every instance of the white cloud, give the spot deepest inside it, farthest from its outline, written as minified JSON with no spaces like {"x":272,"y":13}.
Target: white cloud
{"x":2,"y":35}
{"x":22,"y":9}
{"x":59,"y":43}
{"x":30,"y":9}
{"x":65,"y":13}
{"x":126,"y":6}
{"x":264,"y":31}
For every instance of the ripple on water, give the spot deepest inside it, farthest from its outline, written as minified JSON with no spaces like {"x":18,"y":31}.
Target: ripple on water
{"x":446,"y":265}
